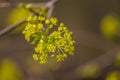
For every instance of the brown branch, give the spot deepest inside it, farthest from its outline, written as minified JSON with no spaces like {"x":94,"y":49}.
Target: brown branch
{"x":49,"y":5}
{"x":10,"y":28}
{"x":102,"y":62}
{"x":50,"y":11}
{"x":8,"y":4}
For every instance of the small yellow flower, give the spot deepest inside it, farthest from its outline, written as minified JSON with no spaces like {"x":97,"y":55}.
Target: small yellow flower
{"x":40,"y":25}
{"x":29,"y":18}
{"x":47,"y":21}
{"x":38,"y":49}
{"x":53,"y":21}
{"x":41,"y":18}
{"x":35,"y":57}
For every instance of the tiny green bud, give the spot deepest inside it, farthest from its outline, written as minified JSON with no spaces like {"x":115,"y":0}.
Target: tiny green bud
{"x":40,"y":25}
{"x":61,"y":24}
{"x":47,"y":21}
{"x":29,"y":18}
{"x":65,"y":55}
{"x":53,"y":21}
{"x":52,"y":55}
{"x":64,"y":28}
{"x":35,"y":57}
{"x":51,"y":26}
{"x":34,"y":26}
{"x":34,"y":18}
{"x":41,"y":18}
{"x":60,"y":28}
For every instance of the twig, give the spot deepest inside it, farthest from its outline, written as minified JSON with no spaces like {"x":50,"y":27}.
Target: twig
{"x":10,"y":28}
{"x":103,"y":62}
{"x":8,"y":4}
{"x":49,"y":5}
{"x":50,"y":11}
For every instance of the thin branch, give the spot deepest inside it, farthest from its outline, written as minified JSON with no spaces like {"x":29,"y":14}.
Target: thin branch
{"x":8,"y":4}
{"x":50,"y":11}
{"x":103,"y":62}
{"x":10,"y":28}
{"x":49,"y":5}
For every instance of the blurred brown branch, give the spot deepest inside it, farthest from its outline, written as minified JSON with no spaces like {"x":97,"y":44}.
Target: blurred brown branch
{"x":50,"y":5}
{"x":10,"y":28}
{"x":9,"y":4}
{"x":103,"y":62}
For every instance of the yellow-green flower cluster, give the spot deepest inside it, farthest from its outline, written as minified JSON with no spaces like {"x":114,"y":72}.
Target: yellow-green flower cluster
{"x":57,"y":44}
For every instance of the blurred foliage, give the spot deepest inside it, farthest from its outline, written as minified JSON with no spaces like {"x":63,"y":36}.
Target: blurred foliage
{"x":88,"y":71}
{"x":9,"y":71}
{"x":117,"y":60}
{"x":115,"y":75}
{"x":110,"y":25}
{"x":17,"y":15}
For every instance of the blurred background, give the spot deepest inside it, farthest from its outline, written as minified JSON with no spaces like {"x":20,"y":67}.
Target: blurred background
{"x":96,"y":30}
